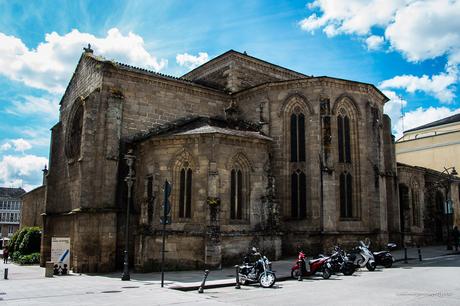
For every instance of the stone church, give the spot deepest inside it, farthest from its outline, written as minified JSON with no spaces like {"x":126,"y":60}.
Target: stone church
{"x":257,"y":155}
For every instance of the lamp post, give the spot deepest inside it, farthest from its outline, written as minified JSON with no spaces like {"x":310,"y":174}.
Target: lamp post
{"x":129,"y":157}
{"x":448,"y":209}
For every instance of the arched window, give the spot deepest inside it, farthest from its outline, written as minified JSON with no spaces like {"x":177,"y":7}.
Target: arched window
{"x":298,"y":195}
{"x":74,"y":132}
{"x":297,"y":133}
{"x":185,"y":193}
{"x":346,"y":195}
{"x":236,"y":194}
{"x":343,"y":130}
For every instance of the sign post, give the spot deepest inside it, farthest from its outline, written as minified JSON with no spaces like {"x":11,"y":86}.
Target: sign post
{"x":60,"y":254}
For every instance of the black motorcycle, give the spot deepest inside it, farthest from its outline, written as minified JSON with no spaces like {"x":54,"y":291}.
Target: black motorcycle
{"x":340,"y":263}
{"x":258,"y":270}
{"x":384,"y":258}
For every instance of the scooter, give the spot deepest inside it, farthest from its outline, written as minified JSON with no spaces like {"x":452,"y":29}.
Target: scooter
{"x":311,"y":267}
{"x":384,"y":258}
{"x":340,"y":263}
{"x":362,"y":257}
{"x":258,"y":271}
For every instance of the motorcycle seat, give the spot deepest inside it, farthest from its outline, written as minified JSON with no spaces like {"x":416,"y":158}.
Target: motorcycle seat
{"x":380,"y":252}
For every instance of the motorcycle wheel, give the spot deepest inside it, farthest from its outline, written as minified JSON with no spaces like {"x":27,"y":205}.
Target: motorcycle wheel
{"x":326,"y":273}
{"x":388,"y":264}
{"x":295,"y":273}
{"x":348,"y":271}
{"x":266,"y":280}
{"x":370,"y":267}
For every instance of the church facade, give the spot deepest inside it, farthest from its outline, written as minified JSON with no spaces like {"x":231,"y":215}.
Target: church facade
{"x":257,"y":155}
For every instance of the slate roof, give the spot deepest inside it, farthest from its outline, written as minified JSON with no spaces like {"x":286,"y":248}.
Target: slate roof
{"x":194,"y":125}
{"x":447,"y":120}
{"x":11,"y":192}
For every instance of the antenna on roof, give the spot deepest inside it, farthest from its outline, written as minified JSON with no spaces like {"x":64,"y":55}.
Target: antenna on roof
{"x":245,"y":53}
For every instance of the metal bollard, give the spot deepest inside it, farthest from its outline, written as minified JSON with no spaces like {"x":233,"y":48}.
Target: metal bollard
{"x":299,"y":278}
{"x":237,"y":271}
{"x":5,"y":273}
{"x":405,"y":254}
{"x":200,"y":290}
{"x":419,"y":253}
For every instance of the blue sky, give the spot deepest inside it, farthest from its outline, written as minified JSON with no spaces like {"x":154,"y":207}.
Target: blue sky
{"x":410,"y":49}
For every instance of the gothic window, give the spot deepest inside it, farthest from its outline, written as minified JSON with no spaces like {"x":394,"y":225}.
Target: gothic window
{"x":236,"y":194}
{"x":185,"y":194}
{"x":346,"y":195}
{"x":343,"y":130}
{"x":298,"y":195}
{"x":297,"y":135}
{"x":74,"y":133}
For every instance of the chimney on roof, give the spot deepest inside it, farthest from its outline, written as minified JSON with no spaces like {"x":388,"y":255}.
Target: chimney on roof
{"x":88,"y":49}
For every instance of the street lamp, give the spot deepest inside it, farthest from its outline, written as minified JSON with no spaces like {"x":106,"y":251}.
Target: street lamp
{"x":129,"y":157}
{"x":448,"y":209}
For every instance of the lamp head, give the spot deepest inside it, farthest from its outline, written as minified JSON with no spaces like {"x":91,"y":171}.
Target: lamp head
{"x":454,"y":172}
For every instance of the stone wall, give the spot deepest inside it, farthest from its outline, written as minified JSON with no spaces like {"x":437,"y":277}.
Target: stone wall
{"x":33,"y":206}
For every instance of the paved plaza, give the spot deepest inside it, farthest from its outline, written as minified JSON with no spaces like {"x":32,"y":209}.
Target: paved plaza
{"x":434,"y":281}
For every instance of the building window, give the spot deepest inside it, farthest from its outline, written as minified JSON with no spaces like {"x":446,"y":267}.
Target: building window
{"x":10,"y":230}
{"x":346,"y":195}
{"x":185,"y":194}
{"x":73,"y":141}
{"x":343,"y":130}
{"x":298,"y":195}
{"x":297,"y":134}
{"x":236,"y":194}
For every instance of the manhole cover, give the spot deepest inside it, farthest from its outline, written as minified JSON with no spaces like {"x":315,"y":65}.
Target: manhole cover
{"x":130,"y":287}
{"x":111,"y":291}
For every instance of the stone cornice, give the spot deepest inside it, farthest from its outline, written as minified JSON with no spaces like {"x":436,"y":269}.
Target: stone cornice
{"x":218,"y":62}
{"x":327,"y":82}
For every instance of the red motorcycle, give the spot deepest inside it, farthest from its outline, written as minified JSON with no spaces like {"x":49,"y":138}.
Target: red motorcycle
{"x":311,"y":267}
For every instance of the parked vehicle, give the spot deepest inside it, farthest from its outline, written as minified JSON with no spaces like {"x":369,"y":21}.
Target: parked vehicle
{"x":340,"y":263}
{"x":384,"y":258}
{"x":256,"y":268}
{"x":362,"y":257}
{"x":306,"y":267}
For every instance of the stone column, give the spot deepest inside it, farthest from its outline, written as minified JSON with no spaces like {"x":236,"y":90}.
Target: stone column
{"x":213,"y":248}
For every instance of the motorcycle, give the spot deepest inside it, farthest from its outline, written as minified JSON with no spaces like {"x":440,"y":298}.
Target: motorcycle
{"x":340,"y":263}
{"x":362,"y":257}
{"x":384,"y":258}
{"x":311,"y":267}
{"x":257,"y":271}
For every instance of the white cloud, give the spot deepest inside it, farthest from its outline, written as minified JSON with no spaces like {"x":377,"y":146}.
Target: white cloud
{"x":25,"y":171}
{"x":420,"y":30}
{"x":6,"y":146}
{"x":374,"y":42}
{"x":51,"y":64}
{"x":414,"y":118}
{"x":37,"y":106}
{"x":21,"y":145}
{"x":351,"y":16}
{"x":439,"y":86}
{"x":192,"y":61}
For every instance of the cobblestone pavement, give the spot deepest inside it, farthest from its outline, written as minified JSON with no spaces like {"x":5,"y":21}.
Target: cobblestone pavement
{"x":435,"y":280}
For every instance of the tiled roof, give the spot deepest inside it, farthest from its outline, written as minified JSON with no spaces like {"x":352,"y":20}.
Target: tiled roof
{"x":11,"y":192}
{"x":447,"y":120}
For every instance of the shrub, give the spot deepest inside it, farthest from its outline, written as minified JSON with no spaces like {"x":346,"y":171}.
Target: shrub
{"x":24,"y":246}
{"x":30,"y":242}
{"x":29,"y":259}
